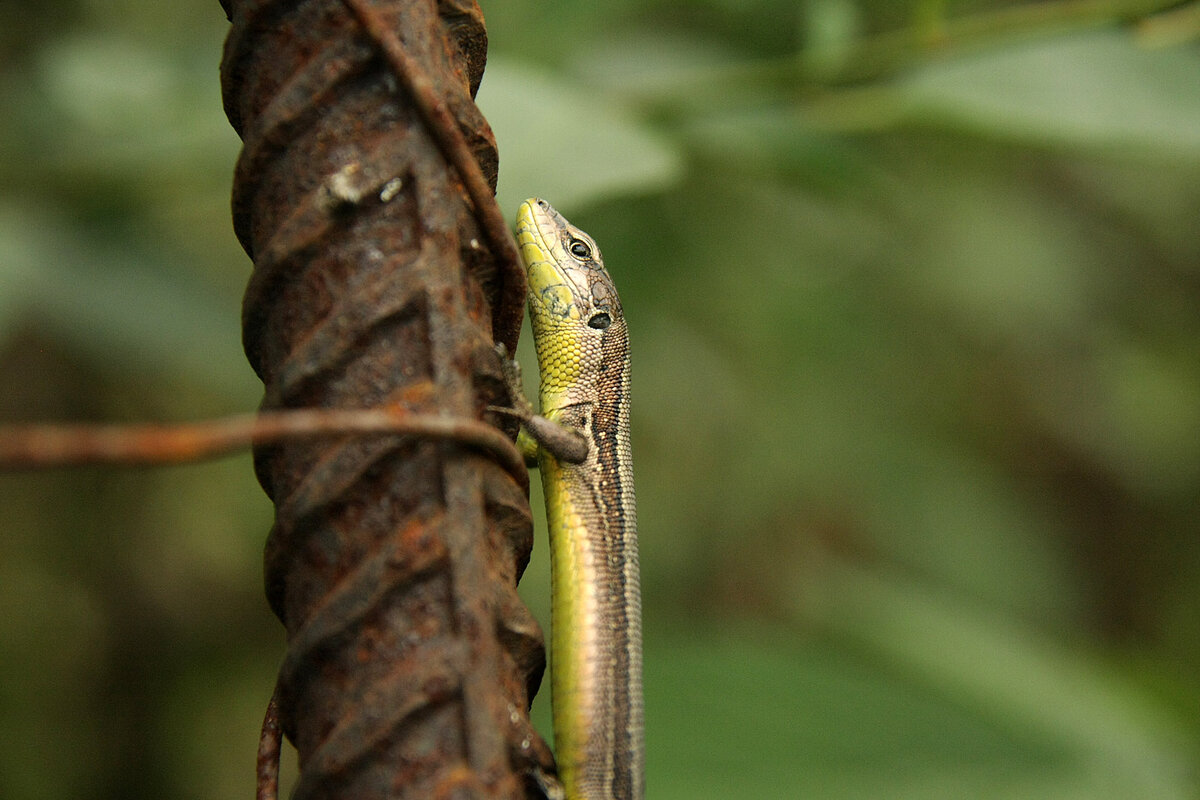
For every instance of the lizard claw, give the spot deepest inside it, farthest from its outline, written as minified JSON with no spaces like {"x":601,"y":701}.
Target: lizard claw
{"x":565,"y":443}
{"x":521,"y":408}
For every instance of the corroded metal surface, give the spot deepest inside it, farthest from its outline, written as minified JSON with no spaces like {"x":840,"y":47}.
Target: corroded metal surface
{"x":393,"y":560}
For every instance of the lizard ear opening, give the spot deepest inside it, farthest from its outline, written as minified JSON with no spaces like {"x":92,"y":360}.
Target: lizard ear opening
{"x":600,"y":321}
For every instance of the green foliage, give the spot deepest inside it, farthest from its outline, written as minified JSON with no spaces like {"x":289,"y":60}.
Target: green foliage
{"x":620,"y":154}
{"x":1092,"y":90}
{"x":914,"y":296}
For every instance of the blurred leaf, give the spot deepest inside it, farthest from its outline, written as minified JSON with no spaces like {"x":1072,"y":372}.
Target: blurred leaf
{"x":831,"y":30}
{"x":1097,"y":89}
{"x":1040,"y":688}
{"x":1146,"y":418}
{"x":673,"y":65}
{"x":996,"y":251}
{"x":763,"y":713}
{"x":782,"y":140}
{"x":567,"y":145}
{"x":132,"y":111}
{"x":116,"y":308}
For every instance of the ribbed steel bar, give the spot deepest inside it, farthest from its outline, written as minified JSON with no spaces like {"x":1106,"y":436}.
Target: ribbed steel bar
{"x":377,"y":281}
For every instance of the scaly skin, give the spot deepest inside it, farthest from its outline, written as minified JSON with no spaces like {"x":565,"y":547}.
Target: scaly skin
{"x":596,"y":643}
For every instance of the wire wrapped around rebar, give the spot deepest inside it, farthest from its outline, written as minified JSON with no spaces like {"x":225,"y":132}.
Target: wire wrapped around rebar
{"x":393,"y":560}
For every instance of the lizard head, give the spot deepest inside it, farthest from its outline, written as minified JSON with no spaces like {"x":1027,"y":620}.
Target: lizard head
{"x":568,"y":283}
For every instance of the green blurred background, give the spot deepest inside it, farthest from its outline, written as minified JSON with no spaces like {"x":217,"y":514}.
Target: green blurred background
{"x":915,"y":296}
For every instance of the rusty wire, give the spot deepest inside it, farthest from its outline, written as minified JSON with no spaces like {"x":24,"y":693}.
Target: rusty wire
{"x":40,"y":446}
{"x":392,"y":561}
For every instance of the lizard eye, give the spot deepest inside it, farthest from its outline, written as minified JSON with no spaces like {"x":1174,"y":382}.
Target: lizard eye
{"x":600,"y":321}
{"x":580,"y":249}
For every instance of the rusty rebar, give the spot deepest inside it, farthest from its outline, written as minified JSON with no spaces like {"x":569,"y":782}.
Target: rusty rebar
{"x":378,"y":282}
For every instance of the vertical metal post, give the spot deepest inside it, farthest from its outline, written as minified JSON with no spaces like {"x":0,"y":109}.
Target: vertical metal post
{"x":393,"y":561}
